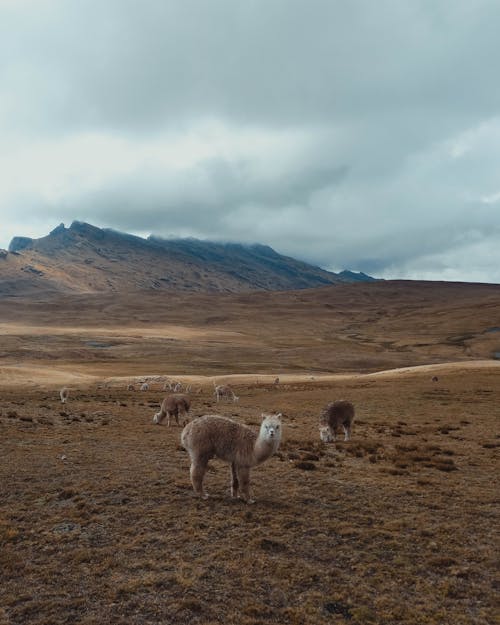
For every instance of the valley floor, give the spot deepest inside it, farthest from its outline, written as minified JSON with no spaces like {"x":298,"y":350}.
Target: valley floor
{"x":98,"y":522}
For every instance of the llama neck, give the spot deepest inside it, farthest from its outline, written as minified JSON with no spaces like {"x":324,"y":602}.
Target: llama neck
{"x":264,"y":448}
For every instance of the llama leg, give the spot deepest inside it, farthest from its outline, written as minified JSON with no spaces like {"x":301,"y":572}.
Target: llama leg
{"x":197,"y":472}
{"x":244,"y":483}
{"x":347,"y":432}
{"x":234,"y":480}
{"x":176,"y":413}
{"x":168,"y":418}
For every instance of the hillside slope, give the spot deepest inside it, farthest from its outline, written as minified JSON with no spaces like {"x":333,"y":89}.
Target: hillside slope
{"x":84,"y":258}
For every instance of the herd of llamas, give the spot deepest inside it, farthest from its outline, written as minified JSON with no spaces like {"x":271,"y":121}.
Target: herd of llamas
{"x":215,"y":436}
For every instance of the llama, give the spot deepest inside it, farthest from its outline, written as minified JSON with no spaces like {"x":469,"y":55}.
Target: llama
{"x":64,"y":394}
{"x":276,"y":381}
{"x":225,"y":391}
{"x":173,"y":406}
{"x":337,"y":413}
{"x":130,"y":387}
{"x":434,"y":378}
{"x":145,"y":386}
{"x":212,"y":436}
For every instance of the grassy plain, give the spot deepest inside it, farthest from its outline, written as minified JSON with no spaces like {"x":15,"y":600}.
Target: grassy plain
{"x":98,"y":523}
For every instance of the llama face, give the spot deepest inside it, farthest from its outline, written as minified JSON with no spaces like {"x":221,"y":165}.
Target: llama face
{"x":271,"y":426}
{"x":325,"y":434}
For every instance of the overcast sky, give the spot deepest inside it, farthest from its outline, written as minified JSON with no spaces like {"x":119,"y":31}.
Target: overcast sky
{"x":354,"y":134}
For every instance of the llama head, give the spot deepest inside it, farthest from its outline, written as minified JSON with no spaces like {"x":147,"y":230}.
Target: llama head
{"x":270,"y":428}
{"x":157,"y":418}
{"x":325,"y":433}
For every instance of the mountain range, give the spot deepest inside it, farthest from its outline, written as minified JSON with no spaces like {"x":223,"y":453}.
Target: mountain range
{"x":85,"y":258}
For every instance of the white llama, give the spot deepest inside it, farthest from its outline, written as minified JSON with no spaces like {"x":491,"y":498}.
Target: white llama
{"x":212,"y":436}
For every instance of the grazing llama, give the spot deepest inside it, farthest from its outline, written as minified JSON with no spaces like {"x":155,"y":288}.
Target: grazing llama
{"x":434,"y":378}
{"x":224,"y":390}
{"x":336,"y":414}
{"x":212,"y":436}
{"x":64,"y":394}
{"x":276,"y":381}
{"x":130,"y":387}
{"x":145,"y":386}
{"x":173,"y":406}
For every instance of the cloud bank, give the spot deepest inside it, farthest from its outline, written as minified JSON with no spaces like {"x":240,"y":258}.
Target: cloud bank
{"x":354,"y":135}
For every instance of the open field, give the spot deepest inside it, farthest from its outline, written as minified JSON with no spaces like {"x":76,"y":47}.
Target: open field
{"x":98,"y":522}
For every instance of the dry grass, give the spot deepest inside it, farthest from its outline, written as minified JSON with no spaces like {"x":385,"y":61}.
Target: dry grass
{"x":98,"y":522}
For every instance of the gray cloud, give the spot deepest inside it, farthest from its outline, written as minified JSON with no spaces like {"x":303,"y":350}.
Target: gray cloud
{"x":350,"y":134}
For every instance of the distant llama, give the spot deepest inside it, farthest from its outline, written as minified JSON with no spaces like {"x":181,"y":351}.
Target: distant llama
{"x":434,"y":378}
{"x":336,"y":414}
{"x":172,"y":385}
{"x":64,"y":394}
{"x":224,"y":390}
{"x":144,"y":386}
{"x":276,"y":381}
{"x":173,"y":406}
{"x":130,"y":387}
{"x":212,"y":436}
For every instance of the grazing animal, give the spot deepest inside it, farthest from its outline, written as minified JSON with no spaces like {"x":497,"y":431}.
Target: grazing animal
{"x":224,"y":390}
{"x":276,"y":380}
{"x":64,"y":394}
{"x":335,"y":414}
{"x":212,"y":436}
{"x":145,"y":386}
{"x":173,"y":406}
{"x":130,"y":387}
{"x":434,"y":378}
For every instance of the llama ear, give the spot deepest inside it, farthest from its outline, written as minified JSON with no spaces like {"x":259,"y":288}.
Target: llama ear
{"x":263,"y":416}
{"x":278,"y":416}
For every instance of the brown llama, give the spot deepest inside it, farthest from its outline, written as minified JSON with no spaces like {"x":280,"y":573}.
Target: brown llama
{"x":336,"y":414}
{"x":212,"y":436}
{"x":173,"y":406}
{"x":224,"y":390}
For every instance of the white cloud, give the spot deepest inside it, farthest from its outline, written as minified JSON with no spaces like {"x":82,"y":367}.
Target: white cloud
{"x":362,"y":135}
